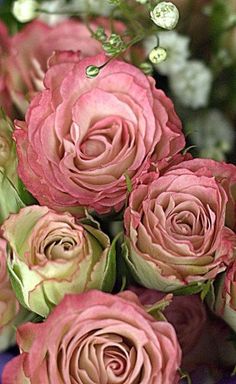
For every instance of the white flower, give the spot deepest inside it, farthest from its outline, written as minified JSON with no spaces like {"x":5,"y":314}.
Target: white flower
{"x":98,"y":7}
{"x":177,"y":49}
{"x":157,"y":55}
{"x":212,"y":133}
{"x":54,"y":6}
{"x":25,"y":10}
{"x":191,"y":84}
{"x":165,"y":15}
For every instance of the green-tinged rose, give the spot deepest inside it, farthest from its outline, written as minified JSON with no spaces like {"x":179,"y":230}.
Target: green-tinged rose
{"x":51,"y":255}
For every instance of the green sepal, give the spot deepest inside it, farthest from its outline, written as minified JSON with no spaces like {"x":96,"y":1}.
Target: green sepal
{"x":157,"y":309}
{"x":206,"y":287}
{"x":190,"y":289}
{"x":10,"y":201}
{"x":109,"y":276}
{"x":16,"y":284}
{"x":185,"y":375}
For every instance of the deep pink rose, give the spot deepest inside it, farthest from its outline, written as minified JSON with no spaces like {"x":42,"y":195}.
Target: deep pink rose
{"x":31,"y":49}
{"x":96,"y":338}
{"x":82,"y":137}
{"x":175,"y":227}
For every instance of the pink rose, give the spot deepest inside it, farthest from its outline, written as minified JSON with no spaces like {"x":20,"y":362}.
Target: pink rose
{"x":83,"y":136}
{"x":96,"y":338}
{"x":175,"y":227}
{"x":9,"y":306}
{"x":31,"y":49}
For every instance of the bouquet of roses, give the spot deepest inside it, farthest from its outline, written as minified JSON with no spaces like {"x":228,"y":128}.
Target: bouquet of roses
{"x":117,"y":244}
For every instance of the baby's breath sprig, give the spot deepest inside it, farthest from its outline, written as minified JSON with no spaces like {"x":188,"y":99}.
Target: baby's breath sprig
{"x":114,"y":45}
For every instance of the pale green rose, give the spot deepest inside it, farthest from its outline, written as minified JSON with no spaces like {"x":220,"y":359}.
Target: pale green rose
{"x":52,"y":255}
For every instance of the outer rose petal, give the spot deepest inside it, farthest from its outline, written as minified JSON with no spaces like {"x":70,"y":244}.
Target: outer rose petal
{"x":88,"y":319}
{"x":100,"y":130}
{"x":13,"y":371}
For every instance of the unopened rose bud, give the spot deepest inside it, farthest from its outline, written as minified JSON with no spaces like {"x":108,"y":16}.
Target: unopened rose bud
{"x":165,"y":15}
{"x":25,"y":10}
{"x":157,"y":55}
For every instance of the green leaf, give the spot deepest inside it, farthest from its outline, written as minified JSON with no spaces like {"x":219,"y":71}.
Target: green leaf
{"x":10,"y":201}
{"x":24,"y":195}
{"x":110,"y":267}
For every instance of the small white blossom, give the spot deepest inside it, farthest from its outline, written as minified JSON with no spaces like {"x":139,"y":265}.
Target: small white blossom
{"x":177,"y":49}
{"x":165,"y":15}
{"x":98,"y":7}
{"x":141,"y":1}
{"x":53,"y":6}
{"x":191,"y":84}
{"x":212,"y":133}
{"x":157,"y":55}
{"x":25,"y":10}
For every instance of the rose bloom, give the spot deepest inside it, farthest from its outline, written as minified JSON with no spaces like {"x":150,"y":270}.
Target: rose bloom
{"x":51,"y":255}
{"x":32,"y":47}
{"x":82,"y":137}
{"x":97,"y":338}
{"x":175,"y":226}
{"x":9,"y":306}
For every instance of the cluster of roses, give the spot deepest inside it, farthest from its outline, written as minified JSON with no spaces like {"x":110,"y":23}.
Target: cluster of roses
{"x":107,"y":147}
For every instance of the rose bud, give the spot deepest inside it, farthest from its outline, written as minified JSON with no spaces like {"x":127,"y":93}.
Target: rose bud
{"x":51,"y":255}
